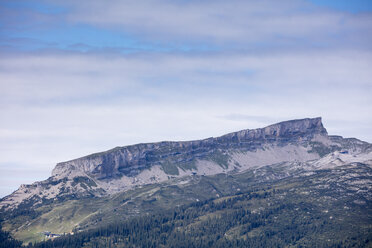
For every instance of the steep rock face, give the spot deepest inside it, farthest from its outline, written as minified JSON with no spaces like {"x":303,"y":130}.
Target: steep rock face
{"x":138,"y":179}
{"x":131,"y":160}
{"x":123,"y":168}
{"x":280,"y":131}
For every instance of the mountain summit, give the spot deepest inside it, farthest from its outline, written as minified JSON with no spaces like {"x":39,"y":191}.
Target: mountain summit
{"x":123,"y":168}
{"x":130,"y":161}
{"x":288,"y":148}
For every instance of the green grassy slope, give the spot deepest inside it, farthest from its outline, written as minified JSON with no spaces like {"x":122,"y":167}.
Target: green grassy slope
{"x":319,"y":206}
{"x":299,"y":211}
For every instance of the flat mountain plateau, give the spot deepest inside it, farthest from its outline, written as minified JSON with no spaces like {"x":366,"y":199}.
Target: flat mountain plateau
{"x":308,"y":184}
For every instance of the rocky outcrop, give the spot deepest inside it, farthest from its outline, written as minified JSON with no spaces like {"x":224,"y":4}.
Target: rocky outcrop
{"x":131,"y":180}
{"x":131,"y":160}
{"x":123,"y":168}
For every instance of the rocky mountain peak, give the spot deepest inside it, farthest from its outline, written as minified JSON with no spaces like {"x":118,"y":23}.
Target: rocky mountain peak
{"x":123,"y":168}
{"x":308,"y":125}
{"x":286,"y":129}
{"x":131,"y":160}
{"x":143,"y":175}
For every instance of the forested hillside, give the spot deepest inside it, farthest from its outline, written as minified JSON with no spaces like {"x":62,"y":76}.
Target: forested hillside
{"x":296,"y":212}
{"x":289,"y":184}
{"x":6,"y":241}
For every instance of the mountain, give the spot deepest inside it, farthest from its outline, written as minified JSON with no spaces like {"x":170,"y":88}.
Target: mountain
{"x":129,"y":181}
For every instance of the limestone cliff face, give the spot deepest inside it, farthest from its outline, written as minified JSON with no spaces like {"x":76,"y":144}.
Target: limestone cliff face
{"x":129,"y":180}
{"x":131,"y":160}
{"x":280,"y":132}
{"x":123,"y":168}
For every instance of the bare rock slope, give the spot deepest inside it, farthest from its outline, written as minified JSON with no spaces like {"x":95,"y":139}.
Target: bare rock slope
{"x":123,"y":168}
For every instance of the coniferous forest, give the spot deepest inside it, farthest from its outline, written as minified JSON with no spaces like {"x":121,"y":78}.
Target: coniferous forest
{"x":261,"y":217}
{"x":6,"y":241}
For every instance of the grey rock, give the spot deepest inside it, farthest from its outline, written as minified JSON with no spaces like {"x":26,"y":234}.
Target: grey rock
{"x":122,"y":168}
{"x":131,"y":160}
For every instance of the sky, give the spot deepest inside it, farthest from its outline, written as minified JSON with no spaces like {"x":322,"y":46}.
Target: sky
{"x":78,"y":78}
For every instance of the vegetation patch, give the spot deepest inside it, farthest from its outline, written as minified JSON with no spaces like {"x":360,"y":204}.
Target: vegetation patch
{"x":84,"y":182}
{"x":189,"y":165}
{"x":220,"y":158}
{"x":170,"y":168}
{"x":321,"y":149}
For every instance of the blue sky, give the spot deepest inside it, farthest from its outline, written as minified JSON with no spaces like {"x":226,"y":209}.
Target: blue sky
{"x":79,"y":78}
{"x":356,"y":6}
{"x":35,"y":25}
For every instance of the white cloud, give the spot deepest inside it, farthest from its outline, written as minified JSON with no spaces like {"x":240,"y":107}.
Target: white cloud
{"x":58,"y":107}
{"x":235,"y":22}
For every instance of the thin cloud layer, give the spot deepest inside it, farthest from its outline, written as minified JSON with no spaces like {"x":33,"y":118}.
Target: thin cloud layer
{"x":183,"y":25}
{"x":279,"y":86}
{"x":292,"y":22}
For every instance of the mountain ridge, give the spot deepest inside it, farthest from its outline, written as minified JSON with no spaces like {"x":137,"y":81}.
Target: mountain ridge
{"x":136,"y":179}
{"x":317,"y":121}
{"x":123,"y":168}
{"x":271,"y":133}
